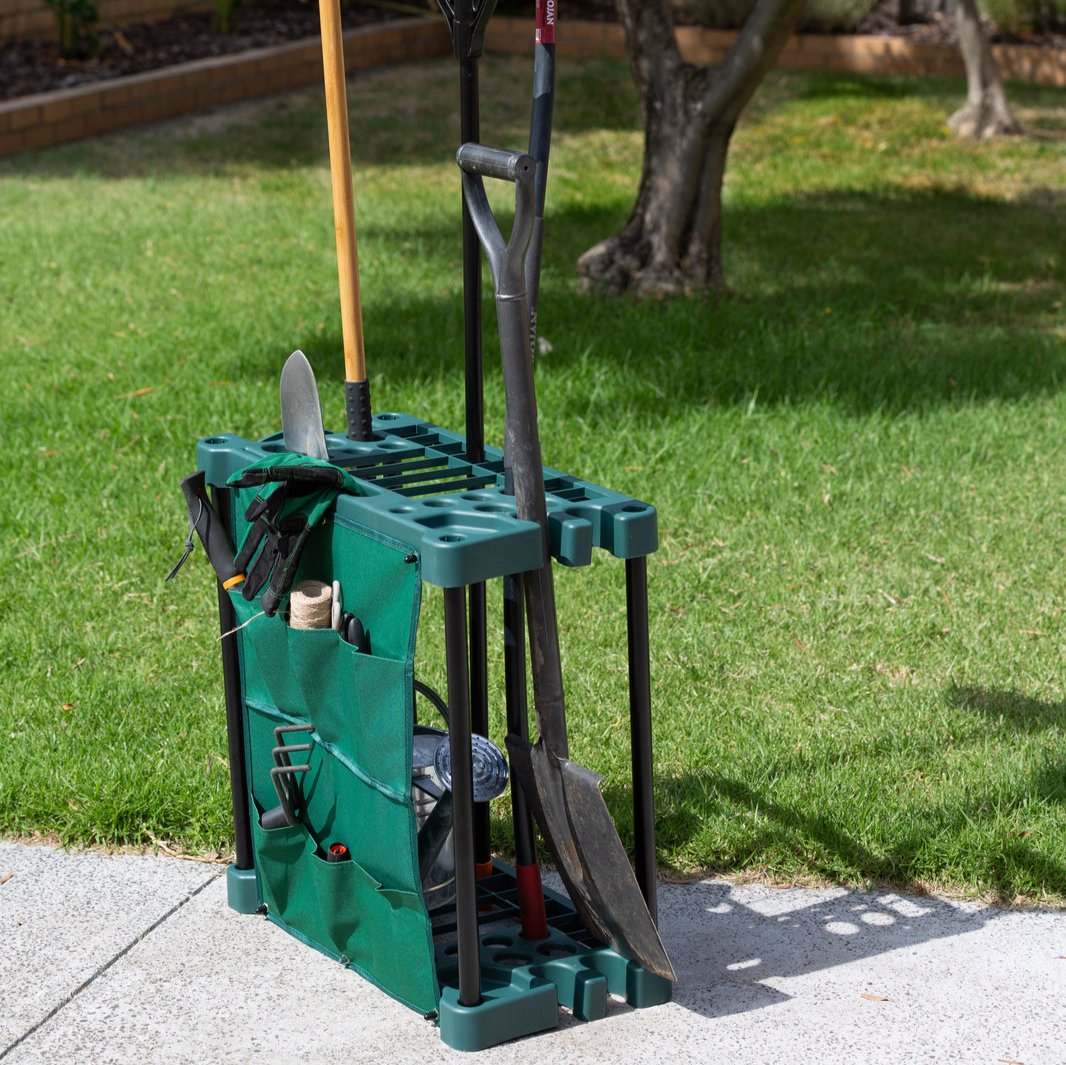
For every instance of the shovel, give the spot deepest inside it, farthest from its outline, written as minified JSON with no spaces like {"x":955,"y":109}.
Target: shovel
{"x":565,"y":798}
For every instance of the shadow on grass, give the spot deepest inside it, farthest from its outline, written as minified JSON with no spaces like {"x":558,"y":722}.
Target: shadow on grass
{"x":816,"y":835}
{"x":827,"y":851}
{"x":1015,"y":710}
{"x":889,"y":318}
{"x":406,"y":115}
{"x":833,"y":86}
{"x":1006,"y":708}
{"x":898,"y":300}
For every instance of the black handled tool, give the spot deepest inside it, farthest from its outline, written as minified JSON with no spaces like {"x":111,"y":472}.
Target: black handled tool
{"x":540,"y":135}
{"x":352,"y":631}
{"x":213,"y":535}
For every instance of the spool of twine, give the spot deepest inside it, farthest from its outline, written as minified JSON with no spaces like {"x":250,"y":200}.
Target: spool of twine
{"x":310,"y":605}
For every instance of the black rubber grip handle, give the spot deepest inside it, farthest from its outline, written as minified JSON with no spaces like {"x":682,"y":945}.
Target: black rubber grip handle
{"x":357,"y":410}
{"x":494,"y":162}
{"x":274,"y":818}
{"x":209,"y":527}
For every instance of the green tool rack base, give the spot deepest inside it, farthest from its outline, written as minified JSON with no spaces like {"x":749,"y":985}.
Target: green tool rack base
{"x":506,"y":1011}
{"x":524,"y":982}
{"x":242,"y":891}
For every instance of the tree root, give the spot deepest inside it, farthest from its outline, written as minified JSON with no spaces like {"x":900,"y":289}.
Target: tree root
{"x":619,"y":266}
{"x":985,"y":119}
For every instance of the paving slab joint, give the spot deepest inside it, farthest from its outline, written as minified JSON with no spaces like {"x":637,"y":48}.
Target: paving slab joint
{"x":94,"y":976}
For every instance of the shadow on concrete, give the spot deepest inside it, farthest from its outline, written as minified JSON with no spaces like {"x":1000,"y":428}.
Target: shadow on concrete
{"x":726,"y":942}
{"x":729,"y":943}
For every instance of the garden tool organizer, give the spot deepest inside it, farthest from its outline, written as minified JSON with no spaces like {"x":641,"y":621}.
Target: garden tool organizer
{"x":429,"y":514}
{"x":325,"y":750}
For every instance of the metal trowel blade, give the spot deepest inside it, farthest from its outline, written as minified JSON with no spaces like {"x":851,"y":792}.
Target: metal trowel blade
{"x":301,"y":415}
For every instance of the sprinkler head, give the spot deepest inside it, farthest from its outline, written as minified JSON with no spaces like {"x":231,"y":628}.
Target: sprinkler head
{"x":489,"y":767}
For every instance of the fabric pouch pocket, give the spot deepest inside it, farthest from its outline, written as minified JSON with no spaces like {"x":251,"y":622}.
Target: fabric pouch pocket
{"x":345,"y":912}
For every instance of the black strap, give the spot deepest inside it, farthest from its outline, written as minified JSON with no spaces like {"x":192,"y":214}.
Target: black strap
{"x":324,"y":476}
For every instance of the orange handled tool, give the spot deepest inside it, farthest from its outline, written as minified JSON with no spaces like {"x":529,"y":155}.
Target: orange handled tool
{"x":356,"y":385}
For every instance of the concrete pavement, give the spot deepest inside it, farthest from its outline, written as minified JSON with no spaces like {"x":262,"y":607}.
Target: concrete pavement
{"x":138,"y":959}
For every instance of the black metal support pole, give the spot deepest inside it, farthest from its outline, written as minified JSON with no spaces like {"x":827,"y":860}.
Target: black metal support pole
{"x":470,"y":132}
{"x":462,"y":796}
{"x":640,"y":728}
{"x":479,"y":715}
{"x":231,"y":677}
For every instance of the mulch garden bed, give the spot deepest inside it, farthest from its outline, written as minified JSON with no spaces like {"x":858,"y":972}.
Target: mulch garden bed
{"x":35,"y":66}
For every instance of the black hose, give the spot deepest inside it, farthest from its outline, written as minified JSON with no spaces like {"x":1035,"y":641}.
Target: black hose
{"x":441,"y":706}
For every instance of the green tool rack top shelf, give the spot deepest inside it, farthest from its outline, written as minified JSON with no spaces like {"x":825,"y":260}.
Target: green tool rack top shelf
{"x":422,"y":490}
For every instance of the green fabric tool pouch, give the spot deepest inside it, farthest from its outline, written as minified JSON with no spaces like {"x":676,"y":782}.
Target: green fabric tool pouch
{"x":345,"y":912}
{"x":367,"y":911}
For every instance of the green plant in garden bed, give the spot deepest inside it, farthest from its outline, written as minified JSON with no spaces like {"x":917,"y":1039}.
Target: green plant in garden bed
{"x":858,"y":463}
{"x":77,"y":21}
{"x":224,"y":12}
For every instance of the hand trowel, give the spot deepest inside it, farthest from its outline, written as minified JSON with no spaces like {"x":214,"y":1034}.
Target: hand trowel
{"x":301,"y":414}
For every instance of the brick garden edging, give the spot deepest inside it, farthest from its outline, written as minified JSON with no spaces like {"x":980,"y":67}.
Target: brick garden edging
{"x":70,"y":114}
{"x":865,"y":55}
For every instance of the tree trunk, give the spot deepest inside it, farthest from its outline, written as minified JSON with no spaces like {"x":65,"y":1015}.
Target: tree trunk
{"x":986,"y":112}
{"x":673,"y":240}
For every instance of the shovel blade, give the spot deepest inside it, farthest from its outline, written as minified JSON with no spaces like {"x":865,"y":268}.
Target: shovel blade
{"x":301,"y":415}
{"x":569,"y":808}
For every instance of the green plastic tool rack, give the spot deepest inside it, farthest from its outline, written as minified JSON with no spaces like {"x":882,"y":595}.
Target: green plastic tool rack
{"x":427,"y":514}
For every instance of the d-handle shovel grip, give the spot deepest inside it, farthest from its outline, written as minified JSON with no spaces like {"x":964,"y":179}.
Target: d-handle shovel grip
{"x":208,"y":525}
{"x":506,"y":258}
{"x":493,"y":162}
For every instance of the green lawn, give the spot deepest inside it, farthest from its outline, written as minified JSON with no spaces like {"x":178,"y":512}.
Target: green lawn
{"x":858,"y":461}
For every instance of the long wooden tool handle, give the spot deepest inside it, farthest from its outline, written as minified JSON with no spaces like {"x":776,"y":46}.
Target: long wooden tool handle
{"x":356,"y":387}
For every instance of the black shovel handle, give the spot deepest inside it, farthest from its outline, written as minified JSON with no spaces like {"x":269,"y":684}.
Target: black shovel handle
{"x":467,"y":22}
{"x":522,"y":454}
{"x":540,"y":136}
